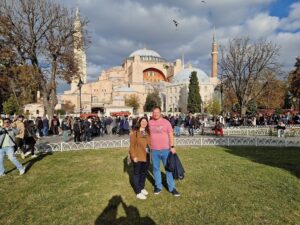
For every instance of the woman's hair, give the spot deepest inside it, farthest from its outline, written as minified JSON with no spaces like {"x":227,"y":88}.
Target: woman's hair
{"x":147,"y":129}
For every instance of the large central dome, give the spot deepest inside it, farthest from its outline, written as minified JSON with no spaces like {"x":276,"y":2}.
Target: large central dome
{"x":145,"y":52}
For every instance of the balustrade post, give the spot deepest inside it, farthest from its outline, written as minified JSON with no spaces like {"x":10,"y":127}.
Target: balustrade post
{"x":285,"y":142}
{"x":61,"y":146}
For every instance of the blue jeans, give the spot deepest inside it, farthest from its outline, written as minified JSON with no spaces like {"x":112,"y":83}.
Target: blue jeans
{"x":156,"y":157}
{"x":177,"y":131}
{"x":191,"y":131}
{"x":65,"y":135}
{"x":45,"y":131}
{"x":9,"y":151}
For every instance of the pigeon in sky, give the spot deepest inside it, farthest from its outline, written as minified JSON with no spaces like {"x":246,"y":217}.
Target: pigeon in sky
{"x":175,"y":23}
{"x":203,"y":1}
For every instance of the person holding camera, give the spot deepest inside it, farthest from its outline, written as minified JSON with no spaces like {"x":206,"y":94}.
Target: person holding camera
{"x":7,"y":142}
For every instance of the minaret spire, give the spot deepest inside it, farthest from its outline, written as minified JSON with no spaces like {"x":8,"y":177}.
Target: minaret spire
{"x":79,"y":53}
{"x":214,"y":56}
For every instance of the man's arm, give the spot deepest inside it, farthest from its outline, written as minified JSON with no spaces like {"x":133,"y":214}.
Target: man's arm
{"x":171,"y":138}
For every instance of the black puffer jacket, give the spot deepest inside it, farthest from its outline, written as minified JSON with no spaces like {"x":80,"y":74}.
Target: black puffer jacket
{"x":174,"y":166}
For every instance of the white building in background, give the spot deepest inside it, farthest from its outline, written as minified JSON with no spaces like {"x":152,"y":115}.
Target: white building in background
{"x":142,"y":72}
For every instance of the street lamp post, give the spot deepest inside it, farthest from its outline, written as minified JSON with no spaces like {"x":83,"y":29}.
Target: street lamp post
{"x":79,"y":85}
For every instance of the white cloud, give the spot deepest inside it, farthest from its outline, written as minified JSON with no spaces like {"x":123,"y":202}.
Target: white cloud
{"x":292,"y":22}
{"x":119,"y":27}
{"x":261,"y":25}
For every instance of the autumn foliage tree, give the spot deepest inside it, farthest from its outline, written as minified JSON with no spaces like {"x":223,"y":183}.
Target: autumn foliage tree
{"x":132,"y":101}
{"x":245,"y":67}
{"x":43,"y":36}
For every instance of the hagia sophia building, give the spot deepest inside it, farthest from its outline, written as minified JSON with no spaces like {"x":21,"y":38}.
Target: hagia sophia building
{"x":142,"y":72}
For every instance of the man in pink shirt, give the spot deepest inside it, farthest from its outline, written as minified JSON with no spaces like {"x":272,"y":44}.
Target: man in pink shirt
{"x":162,"y":143}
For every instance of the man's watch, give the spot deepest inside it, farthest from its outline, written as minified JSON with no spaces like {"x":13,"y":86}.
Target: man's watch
{"x":172,"y":146}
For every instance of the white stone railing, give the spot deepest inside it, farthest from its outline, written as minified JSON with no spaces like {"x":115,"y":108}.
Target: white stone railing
{"x":195,"y":141}
{"x":249,"y":131}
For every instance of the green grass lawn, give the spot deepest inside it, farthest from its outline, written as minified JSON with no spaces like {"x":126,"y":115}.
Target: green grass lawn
{"x":236,"y":185}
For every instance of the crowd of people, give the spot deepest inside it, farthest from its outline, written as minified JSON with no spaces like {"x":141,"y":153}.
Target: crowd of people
{"x":87,"y":128}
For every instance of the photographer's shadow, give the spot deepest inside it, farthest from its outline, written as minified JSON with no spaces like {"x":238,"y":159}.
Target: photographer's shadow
{"x":133,"y":217}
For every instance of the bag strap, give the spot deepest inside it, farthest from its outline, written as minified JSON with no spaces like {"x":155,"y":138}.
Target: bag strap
{"x":5,"y":131}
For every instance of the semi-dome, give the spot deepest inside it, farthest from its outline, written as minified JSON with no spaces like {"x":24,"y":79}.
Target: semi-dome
{"x":145,"y":52}
{"x":184,"y":76}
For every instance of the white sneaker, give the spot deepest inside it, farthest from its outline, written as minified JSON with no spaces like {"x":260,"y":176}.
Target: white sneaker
{"x":22,"y":155}
{"x":144,"y":192}
{"x":141,"y":196}
{"x":27,"y":154}
{"x":34,"y":156}
{"x":22,"y":171}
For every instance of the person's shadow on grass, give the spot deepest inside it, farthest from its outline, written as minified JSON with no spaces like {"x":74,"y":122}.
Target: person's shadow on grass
{"x":109,"y":215}
{"x":287,"y":159}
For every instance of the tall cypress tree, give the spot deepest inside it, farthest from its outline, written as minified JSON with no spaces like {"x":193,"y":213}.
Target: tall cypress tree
{"x":194,"y":98}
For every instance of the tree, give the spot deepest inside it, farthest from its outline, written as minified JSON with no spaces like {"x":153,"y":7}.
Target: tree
{"x":273,"y":95}
{"x":152,"y":100}
{"x":11,"y":106}
{"x":214,"y":107}
{"x":194,"y":98}
{"x":245,"y":67}
{"x":132,"y":101}
{"x":294,"y":83}
{"x":43,"y":35}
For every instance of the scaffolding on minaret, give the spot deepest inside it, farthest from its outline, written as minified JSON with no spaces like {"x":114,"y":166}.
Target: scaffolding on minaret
{"x":79,"y":53}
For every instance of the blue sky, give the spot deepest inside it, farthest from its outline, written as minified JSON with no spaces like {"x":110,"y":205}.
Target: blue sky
{"x":120,"y":27}
{"x":280,"y":8}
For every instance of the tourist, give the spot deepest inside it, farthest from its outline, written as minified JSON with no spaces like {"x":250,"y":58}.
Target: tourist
{"x":162,"y":143}
{"x":178,"y":123}
{"x":45,"y":126}
{"x":218,"y":128}
{"x":190,"y":123}
{"x":20,"y":136}
{"x":39,"y":126}
{"x":7,"y":142}
{"x":77,"y":130}
{"x":30,"y":138}
{"x":55,"y":125}
{"x":280,"y":129}
{"x":140,"y":154}
{"x":65,"y":126}
{"x":87,"y":126}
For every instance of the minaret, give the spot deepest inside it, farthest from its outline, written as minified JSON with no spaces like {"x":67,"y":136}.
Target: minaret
{"x":79,"y":54}
{"x":214,"y":57}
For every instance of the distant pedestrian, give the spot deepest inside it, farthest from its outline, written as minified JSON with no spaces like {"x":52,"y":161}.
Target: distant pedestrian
{"x":45,"y":126}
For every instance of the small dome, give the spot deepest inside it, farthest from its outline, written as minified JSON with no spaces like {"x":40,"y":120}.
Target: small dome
{"x":184,"y":76}
{"x":145,"y":52}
